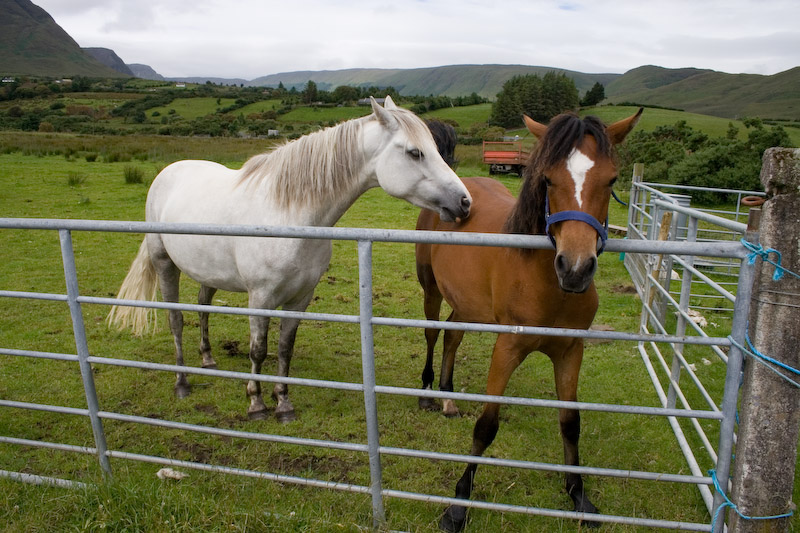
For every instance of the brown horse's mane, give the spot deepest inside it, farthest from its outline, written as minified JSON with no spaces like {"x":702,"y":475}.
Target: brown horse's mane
{"x":564,"y":133}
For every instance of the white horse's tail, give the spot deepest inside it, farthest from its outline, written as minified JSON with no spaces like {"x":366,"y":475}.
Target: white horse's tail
{"x":140,"y":284}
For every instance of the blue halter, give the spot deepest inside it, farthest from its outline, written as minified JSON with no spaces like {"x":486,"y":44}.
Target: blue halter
{"x":601,"y":229}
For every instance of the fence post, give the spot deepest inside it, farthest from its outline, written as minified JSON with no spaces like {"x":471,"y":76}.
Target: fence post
{"x":766,"y":452}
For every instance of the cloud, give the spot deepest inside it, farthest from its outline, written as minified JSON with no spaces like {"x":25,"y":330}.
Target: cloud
{"x":251,"y":38}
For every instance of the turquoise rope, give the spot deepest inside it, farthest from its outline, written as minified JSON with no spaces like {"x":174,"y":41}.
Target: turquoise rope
{"x":756,"y":250}
{"x":729,"y":503}
{"x":765,"y":360}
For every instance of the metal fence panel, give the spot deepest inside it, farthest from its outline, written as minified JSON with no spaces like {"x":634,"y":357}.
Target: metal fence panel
{"x":366,"y":320}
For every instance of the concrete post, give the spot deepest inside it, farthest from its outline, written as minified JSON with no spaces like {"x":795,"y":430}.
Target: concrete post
{"x":766,"y":452}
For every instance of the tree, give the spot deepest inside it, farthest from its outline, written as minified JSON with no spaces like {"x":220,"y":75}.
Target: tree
{"x":594,"y":96}
{"x":310,"y":93}
{"x":539,"y":98}
{"x":345,"y":93}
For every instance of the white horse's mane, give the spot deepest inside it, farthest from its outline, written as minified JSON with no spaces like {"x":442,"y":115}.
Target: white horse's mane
{"x":325,"y":164}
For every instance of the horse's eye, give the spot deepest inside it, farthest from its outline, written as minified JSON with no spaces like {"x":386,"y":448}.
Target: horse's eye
{"x":415,"y":153}
{"x":547,"y":181}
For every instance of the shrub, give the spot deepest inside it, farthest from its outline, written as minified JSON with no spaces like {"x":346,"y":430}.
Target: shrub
{"x":133,"y":174}
{"x":75,"y":178}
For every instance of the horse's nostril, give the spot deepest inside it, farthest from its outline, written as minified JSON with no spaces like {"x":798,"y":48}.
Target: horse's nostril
{"x":561,"y":263}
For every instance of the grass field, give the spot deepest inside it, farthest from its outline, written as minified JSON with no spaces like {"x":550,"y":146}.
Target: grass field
{"x":191,"y":108}
{"x":36,"y":183}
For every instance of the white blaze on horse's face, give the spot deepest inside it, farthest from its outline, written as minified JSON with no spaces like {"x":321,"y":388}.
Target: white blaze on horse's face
{"x":578,"y":164}
{"x":409,"y":166}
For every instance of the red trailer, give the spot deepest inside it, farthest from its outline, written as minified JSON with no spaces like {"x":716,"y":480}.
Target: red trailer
{"x":504,"y":157}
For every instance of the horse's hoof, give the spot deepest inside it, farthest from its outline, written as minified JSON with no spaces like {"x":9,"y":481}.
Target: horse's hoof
{"x":429,"y":404}
{"x":284,"y":417}
{"x":261,"y":414}
{"x":212,"y":366}
{"x":586,"y":506}
{"x":453,"y":519}
{"x":449,"y":409}
{"x":590,"y":524}
{"x":182,"y":391}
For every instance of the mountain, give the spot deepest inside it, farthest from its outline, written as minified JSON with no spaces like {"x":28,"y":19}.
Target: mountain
{"x":32,"y":43}
{"x":208,"y":79}
{"x":710,"y":92}
{"x":109,"y":59}
{"x":452,"y":80}
{"x":145,"y":72}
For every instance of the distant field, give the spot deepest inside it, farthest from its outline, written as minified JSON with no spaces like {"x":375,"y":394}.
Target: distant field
{"x":259,"y":107}
{"x":465,"y":116}
{"x":191,"y":108}
{"x":324,"y":114}
{"x":653,"y":117}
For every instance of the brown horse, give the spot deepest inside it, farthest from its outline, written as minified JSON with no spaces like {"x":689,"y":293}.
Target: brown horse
{"x":565,"y":195}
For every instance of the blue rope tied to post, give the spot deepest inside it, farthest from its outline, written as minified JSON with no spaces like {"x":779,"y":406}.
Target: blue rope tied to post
{"x":729,"y":503}
{"x":756,"y":250}
{"x":769,"y":362}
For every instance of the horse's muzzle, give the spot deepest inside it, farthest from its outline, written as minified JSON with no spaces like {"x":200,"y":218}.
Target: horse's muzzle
{"x":575,"y":276}
{"x":456,"y":213}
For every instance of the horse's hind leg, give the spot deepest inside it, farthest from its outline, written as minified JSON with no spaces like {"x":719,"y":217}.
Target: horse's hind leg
{"x":169,"y":280}
{"x":204,"y":298}
{"x":432,"y":304}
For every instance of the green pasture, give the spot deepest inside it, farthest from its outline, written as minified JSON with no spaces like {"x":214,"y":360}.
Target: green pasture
{"x":62,"y":183}
{"x":327,"y":115}
{"x":464,"y":116}
{"x":259,"y":107}
{"x":191,"y":108}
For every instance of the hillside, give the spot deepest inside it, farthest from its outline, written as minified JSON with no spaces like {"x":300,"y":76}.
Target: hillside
{"x":711,"y":93}
{"x":110,"y":59}
{"x":32,"y":43}
{"x":452,"y":80}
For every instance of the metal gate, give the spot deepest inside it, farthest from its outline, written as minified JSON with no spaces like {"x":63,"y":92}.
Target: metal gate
{"x":723,"y":417}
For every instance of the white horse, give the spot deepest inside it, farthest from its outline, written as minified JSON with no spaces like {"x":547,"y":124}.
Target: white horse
{"x":311,"y":181}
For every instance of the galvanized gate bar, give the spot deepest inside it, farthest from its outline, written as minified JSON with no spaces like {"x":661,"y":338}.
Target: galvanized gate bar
{"x":368,"y":372}
{"x":82,"y":346}
{"x":709,"y":249}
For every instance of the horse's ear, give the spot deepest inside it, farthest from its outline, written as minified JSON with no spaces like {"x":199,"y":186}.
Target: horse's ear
{"x":534,"y":127}
{"x":389,"y":104}
{"x":384,"y":117}
{"x":620,"y":129}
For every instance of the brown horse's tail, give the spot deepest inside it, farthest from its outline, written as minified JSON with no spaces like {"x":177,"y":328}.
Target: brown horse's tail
{"x":140,"y":284}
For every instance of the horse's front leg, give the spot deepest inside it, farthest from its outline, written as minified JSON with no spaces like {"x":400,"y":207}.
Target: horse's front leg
{"x":284,"y":411}
{"x":452,"y":340}
{"x":567,"y":367}
{"x":508,"y":353}
{"x":204,"y":298}
{"x":259,"y":327}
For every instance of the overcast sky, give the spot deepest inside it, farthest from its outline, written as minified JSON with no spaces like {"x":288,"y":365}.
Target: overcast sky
{"x":252,"y":38}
